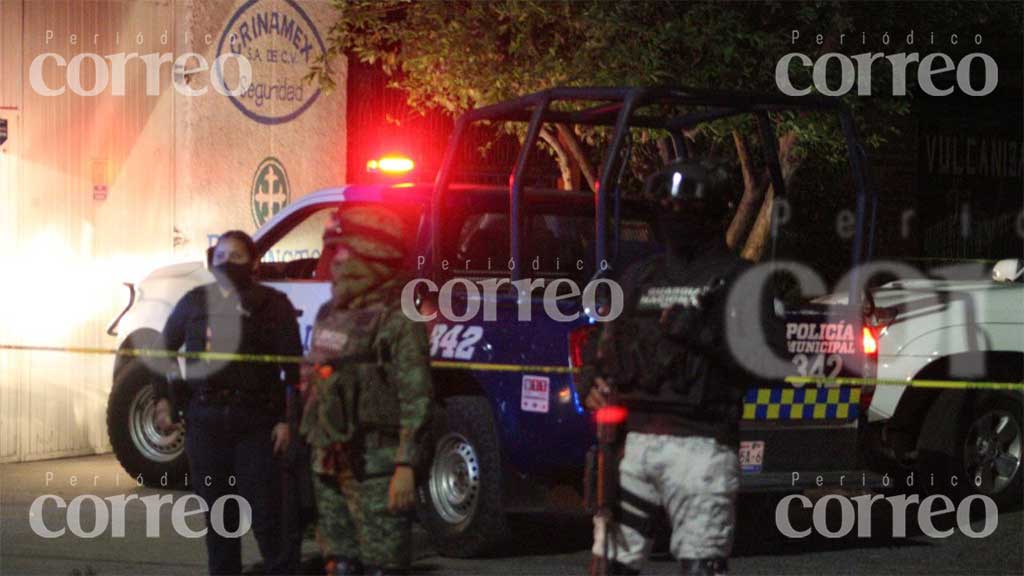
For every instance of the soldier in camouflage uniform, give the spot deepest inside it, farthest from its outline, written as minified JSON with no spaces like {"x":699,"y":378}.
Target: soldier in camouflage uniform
{"x":367,"y":397}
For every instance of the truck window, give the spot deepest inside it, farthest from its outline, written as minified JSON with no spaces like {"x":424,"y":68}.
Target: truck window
{"x":295,"y":255}
{"x":555,"y":246}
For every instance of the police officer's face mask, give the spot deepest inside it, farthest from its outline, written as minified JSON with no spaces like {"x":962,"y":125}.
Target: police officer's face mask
{"x":233,"y":274}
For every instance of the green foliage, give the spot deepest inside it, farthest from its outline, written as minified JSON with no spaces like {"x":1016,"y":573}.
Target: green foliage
{"x":457,"y":54}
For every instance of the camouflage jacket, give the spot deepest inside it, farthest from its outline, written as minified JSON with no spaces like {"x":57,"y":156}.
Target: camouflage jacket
{"x":371,"y":372}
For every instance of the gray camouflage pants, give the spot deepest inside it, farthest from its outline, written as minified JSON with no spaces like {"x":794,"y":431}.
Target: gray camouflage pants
{"x":693,"y":479}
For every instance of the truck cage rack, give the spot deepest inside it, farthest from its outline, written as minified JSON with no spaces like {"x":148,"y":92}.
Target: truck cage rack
{"x":623,"y":108}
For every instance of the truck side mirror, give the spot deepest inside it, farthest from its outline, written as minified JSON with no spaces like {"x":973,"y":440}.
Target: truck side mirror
{"x":425,"y":300}
{"x":1008,"y":270}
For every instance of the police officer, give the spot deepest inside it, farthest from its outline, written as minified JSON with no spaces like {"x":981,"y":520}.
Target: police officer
{"x":368,"y":397}
{"x":235,"y":410}
{"x":665,"y":360}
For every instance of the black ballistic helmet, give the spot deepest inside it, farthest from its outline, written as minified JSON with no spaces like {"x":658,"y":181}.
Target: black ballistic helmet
{"x":702,"y":185}
{"x":694,"y":199}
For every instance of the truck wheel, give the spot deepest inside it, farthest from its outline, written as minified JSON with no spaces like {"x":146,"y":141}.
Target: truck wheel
{"x":143,"y":451}
{"x":991,"y":450}
{"x":460,"y":501}
{"x":978,"y":440}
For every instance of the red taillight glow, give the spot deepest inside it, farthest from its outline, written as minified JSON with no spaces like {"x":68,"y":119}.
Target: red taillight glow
{"x":577,"y":342}
{"x":869,"y":342}
{"x":611,"y":415}
{"x":390,"y":165}
{"x":578,"y":339}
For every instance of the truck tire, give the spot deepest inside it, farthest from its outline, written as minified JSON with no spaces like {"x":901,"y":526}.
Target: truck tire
{"x":460,"y":501}
{"x":147,"y":455}
{"x":981,"y":443}
{"x":991,"y":449}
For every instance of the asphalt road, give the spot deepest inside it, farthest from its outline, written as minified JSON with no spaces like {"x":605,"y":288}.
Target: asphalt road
{"x":542,"y":544}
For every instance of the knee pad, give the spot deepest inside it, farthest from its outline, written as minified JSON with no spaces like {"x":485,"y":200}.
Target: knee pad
{"x":703,"y":566}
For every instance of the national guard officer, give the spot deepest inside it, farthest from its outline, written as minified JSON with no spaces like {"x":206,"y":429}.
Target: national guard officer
{"x":368,"y":396}
{"x":235,"y":410}
{"x":665,"y":360}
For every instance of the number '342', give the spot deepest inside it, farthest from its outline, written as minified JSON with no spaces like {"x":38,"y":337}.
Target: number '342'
{"x":458,"y":341}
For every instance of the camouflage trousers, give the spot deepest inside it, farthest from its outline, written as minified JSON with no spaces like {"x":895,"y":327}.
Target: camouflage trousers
{"x":353,"y":517}
{"x":693,"y":479}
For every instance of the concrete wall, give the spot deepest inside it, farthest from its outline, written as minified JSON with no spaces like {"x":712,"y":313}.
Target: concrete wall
{"x":99,"y":189}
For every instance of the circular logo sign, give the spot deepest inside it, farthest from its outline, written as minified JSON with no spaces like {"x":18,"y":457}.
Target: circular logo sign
{"x":270,"y":190}
{"x":280,"y":42}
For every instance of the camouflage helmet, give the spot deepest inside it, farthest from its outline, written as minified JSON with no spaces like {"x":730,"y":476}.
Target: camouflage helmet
{"x":371,"y":232}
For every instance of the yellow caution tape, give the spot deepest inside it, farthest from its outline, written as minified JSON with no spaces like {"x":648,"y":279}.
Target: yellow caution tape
{"x":489,"y":367}
{"x":942,"y":384}
{"x":148,"y":353}
{"x":485,"y":366}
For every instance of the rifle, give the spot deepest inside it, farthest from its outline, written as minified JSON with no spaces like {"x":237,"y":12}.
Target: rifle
{"x":602,"y":488}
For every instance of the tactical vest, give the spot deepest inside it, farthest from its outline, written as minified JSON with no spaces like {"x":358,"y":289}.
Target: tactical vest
{"x":655,"y":373}
{"x":350,"y":394}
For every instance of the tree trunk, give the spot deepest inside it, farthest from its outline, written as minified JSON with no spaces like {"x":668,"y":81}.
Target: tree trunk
{"x":573,"y":148}
{"x":752,"y":199}
{"x":564,"y":162}
{"x":758,"y":199}
{"x":760,"y":235}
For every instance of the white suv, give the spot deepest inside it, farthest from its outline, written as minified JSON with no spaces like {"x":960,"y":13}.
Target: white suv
{"x":963,"y":331}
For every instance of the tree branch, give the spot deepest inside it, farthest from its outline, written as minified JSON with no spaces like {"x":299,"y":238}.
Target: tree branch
{"x":757,"y":241}
{"x":568,"y":182}
{"x":753,"y":195}
{"x":572,"y":146}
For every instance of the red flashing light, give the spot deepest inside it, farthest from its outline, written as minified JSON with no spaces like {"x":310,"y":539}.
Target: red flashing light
{"x":390,"y":165}
{"x":611,"y":415}
{"x":869,"y":342}
{"x":578,"y":340}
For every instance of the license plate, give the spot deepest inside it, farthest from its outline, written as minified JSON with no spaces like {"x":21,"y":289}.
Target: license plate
{"x":751,"y":456}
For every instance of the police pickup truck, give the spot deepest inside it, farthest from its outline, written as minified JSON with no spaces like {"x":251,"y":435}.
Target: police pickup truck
{"x":510,"y":425}
{"x":958,"y":331}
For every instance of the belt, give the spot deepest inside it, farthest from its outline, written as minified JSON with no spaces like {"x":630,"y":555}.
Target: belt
{"x":231,"y":397}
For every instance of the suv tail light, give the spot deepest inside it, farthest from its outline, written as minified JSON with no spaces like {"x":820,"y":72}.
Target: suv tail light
{"x":869,"y":342}
{"x":876,"y":319}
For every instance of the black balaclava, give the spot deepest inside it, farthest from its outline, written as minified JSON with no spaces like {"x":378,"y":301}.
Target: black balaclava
{"x":694,"y":200}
